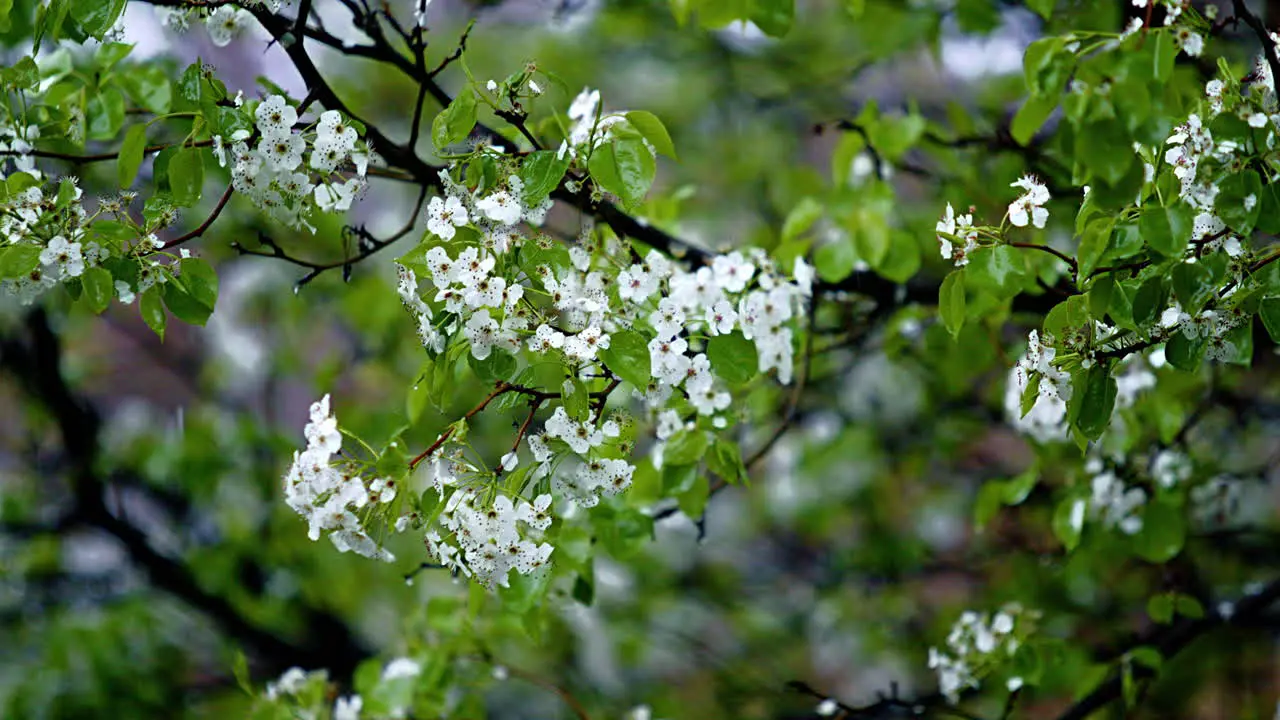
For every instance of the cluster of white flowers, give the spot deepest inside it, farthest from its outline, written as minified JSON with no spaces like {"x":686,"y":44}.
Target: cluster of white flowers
{"x":1046,"y":420}
{"x":1192,"y":143}
{"x":960,"y":228}
{"x":272,"y":173}
{"x":224,"y":23}
{"x":1112,"y":502}
{"x":27,"y":218}
{"x":976,"y":645}
{"x":18,"y":140}
{"x":330,"y":493}
{"x":1029,"y":208}
{"x":307,"y":693}
{"x":488,"y":534}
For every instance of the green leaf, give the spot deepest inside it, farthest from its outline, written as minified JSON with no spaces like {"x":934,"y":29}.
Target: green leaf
{"x":1095,"y":391}
{"x":183,"y":305}
{"x":541,"y":173}
{"x":801,"y":218}
{"x":693,"y":502}
{"x":894,"y":136}
{"x":1270,"y":312}
{"x":131,"y":152}
{"x":415,"y":400}
{"x":455,"y":122}
{"x":990,"y":499}
{"x":1167,"y":230}
{"x":733,"y":358}
{"x":1094,"y":243}
{"x":624,"y":167}
{"x":1184,"y":353}
{"x":999,"y":269}
{"x":108,"y":54}
{"x":1236,"y":345}
{"x":1043,"y":8}
{"x":150,"y":87}
{"x":498,"y":365}
{"x":628,"y":357}
{"x":576,"y":400}
{"x":834,"y":260}
{"x":19,"y":260}
{"x":1160,"y":608}
{"x":186,"y":176}
{"x":23,"y":75}
{"x":1163,"y":533}
{"x":1238,"y":201}
{"x":1031,"y":117}
{"x":104,"y":114}
{"x":774,"y":17}
{"x":951,"y":302}
{"x":1150,"y":300}
{"x":725,"y":460}
{"x":653,"y":130}
{"x":152,"y":309}
{"x":1192,"y":286}
{"x":685,"y":447}
{"x":1100,"y":296}
{"x":1046,"y":66}
{"x":99,"y":288}
{"x":1188,"y":606}
{"x":1166,"y":51}
{"x":97,"y":16}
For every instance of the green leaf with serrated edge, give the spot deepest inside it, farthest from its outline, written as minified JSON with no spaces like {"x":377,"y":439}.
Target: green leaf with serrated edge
{"x":453,"y":124}
{"x":200,"y":280}
{"x":623,"y":167}
{"x":152,"y":309}
{"x":541,"y":173}
{"x":1095,"y":391}
{"x":99,"y":288}
{"x":653,"y":130}
{"x":685,"y":447}
{"x":733,"y":358}
{"x":131,"y":152}
{"x":801,"y":218}
{"x":19,"y":260}
{"x":628,"y":357}
{"x":951,"y":302}
{"x":1163,"y":533}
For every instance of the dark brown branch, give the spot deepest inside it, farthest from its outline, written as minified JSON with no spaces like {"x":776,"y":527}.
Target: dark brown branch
{"x":204,"y":226}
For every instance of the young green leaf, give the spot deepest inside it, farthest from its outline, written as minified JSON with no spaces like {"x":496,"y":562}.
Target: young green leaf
{"x":624,"y":167}
{"x":653,"y":130}
{"x":951,"y":302}
{"x":628,"y":357}
{"x":453,"y":124}
{"x":733,"y":358}
{"x":131,"y":152}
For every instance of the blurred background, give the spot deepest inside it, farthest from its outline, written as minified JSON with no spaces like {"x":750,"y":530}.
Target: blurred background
{"x":143,"y":540}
